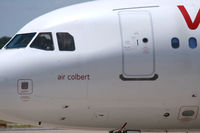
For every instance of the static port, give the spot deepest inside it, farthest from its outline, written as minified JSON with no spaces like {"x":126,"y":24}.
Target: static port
{"x":63,"y":118}
{"x":65,"y":107}
{"x":166,"y":115}
{"x":101,"y":115}
{"x":194,"y":95}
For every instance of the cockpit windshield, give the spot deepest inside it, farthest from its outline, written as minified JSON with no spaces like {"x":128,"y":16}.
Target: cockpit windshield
{"x":43,"y":41}
{"x":20,"y":41}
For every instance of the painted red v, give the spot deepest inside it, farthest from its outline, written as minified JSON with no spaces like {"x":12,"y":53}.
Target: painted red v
{"x":192,"y":25}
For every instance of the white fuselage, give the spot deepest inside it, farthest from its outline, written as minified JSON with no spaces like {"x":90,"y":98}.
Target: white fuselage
{"x":113,"y":76}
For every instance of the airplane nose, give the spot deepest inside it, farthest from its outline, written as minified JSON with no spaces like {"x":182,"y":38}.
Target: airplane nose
{"x":9,"y":97}
{"x":7,"y":85}
{"x":8,"y":74}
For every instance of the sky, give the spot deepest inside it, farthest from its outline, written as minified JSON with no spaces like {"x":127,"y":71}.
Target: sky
{"x":14,"y":14}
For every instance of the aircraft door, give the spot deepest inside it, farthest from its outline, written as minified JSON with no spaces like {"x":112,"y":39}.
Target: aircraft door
{"x":137,"y":44}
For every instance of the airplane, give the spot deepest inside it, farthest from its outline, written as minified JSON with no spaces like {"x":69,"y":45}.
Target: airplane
{"x":104,"y":65}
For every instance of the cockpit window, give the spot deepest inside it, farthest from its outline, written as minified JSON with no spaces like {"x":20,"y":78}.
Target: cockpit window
{"x":20,"y":41}
{"x":43,"y":41}
{"x":65,"y":42}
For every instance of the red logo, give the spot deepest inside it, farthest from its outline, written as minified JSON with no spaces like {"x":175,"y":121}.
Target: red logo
{"x":192,"y":25}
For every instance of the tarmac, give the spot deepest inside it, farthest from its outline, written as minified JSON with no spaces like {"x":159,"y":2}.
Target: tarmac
{"x":49,"y":131}
{"x":69,"y":131}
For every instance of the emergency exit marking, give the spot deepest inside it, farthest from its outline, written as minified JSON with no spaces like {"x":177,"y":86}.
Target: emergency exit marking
{"x":24,"y":86}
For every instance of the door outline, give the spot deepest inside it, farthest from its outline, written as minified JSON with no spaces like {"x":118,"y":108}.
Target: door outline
{"x":151,"y":76}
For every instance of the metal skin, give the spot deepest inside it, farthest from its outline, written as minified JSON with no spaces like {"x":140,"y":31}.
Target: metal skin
{"x":100,"y":99}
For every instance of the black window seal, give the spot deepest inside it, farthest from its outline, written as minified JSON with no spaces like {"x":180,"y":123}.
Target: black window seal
{"x":155,"y":77}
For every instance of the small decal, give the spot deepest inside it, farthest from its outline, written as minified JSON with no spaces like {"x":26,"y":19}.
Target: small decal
{"x":145,"y":50}
{"x":25,"y":98}
{"x":136,"y":33}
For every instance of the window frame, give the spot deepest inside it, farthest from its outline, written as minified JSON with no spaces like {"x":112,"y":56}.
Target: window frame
{"x":173,"y":43}
{"x":189,"y":40}
{"x":27,"y":46}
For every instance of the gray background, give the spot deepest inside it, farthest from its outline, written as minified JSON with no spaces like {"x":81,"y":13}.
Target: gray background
{"x":14,"y":14}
